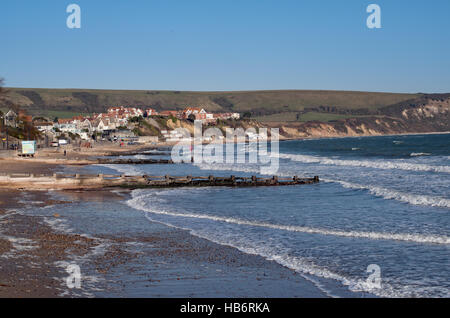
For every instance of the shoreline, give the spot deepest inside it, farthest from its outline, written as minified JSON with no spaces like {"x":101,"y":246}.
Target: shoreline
{"x":41,"y":169}
{"x":74,"y":158}
{"x":365,"y":136}
{"x":39,"y":249}
{"x":127,"y":263}
{"x":40,"y":243}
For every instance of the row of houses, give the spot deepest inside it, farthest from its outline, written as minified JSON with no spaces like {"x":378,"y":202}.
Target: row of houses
{"x":194,"y":113}
{"x":118,"y":118}
{"x":12,"y":119}
{"x":115,"y":119}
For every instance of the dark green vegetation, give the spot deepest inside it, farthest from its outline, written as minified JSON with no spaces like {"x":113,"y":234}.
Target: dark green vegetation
{"x":144,"y":127}
{"x":65,"y":103}
{"x":24,"y":130}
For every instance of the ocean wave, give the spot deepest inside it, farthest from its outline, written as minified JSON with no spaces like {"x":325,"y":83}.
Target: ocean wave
{"x":388,"y":288}
{"x":419,"y":154}
{"x":129,"y":170}
{"x":305,"y":267}
{"x":385,"y":164}
{"x":390,"y":194}
{"x":139,"y":202}
{"x":296,"y":264}
{"x":313,"y":272}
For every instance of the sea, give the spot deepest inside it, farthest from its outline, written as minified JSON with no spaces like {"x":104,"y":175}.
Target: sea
{"x":378,"y":222}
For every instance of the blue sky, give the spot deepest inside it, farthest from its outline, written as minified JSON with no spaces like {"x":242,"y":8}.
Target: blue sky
{"x":227,"y":45}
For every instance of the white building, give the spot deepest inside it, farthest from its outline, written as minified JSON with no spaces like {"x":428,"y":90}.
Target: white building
{"x":68,"y":127}
{"x":44,"y":127}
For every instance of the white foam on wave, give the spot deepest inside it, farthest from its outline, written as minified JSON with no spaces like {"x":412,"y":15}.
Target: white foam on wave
{"x":376,"y":164}
{"x":419,"y":154}
{"x":304,"y":267}
{"x":303,"y":270}
{"x":390,"y":194}
{"x":308,"y":269}
{"x":139,"y":202}
{"x":129,"y":170}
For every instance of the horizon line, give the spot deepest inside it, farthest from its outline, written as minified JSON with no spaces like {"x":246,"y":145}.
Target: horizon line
{"x":227,"y":91}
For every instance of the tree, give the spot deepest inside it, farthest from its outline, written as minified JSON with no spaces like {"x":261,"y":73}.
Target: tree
{"x":40,"y":119}
{"x":173,"y":118}
{"x":247,"y":115}
{"x":3,"y":101}
{"x":2,"y":90}
{"x":191,"y":117}
{"x":2,"y":123}
{"x":136,"y":119}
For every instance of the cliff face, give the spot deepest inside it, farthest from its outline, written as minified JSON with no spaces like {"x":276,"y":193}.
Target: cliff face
{"x":430,"y":113}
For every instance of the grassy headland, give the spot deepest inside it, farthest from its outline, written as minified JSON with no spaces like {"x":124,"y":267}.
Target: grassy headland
{"x":299,"y":113}
{"x":65,"y":102}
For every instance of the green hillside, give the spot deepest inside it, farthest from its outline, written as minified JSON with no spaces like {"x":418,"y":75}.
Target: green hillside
{"x":66,"y":102}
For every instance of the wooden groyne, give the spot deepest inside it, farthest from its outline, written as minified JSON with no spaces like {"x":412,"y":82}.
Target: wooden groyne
{"x":232,"y":181}
{"x":133,"y":161}
{"x":140,"y":152}
{"x":85,"y":182}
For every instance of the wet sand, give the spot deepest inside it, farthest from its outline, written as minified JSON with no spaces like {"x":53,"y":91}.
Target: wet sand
{"x":135,"y":257}
{"x":33,"y":254}
{"x":19,"y":166}
{"x":150,"y":261}
{"x":29,"y":250}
